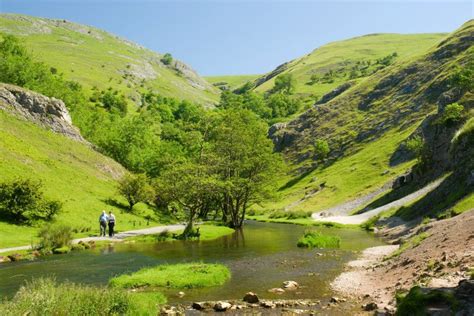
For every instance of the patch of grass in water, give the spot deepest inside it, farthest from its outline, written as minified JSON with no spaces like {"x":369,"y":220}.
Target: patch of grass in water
{"x":314,"y":239}
{"x":179,"y":276}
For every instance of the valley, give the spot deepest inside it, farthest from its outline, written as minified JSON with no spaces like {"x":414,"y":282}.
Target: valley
{"x":347,"y":171}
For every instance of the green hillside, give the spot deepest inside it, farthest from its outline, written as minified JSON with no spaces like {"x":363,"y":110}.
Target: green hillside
{"x":341,"y":61}
{"x":367,"y":127}
{"x":95,"y":58}
{"x":231,"y":81}
{"x":71,"y":172}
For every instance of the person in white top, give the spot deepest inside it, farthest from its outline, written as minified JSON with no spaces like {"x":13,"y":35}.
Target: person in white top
{"x":111,"y":224}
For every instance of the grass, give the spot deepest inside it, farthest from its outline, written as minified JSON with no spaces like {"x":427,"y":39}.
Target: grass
{"x":179,"y":276}
{"x":346,"y":179}
{"x":411,"y":243}
{"x":71,"y":172}
{"x":314,"y":239}
{"x":344,"y":54}
{"x":416,"y":301}
{"x":108,"y":60}
{"x":46,"y":297}
{"x":208,"y":232}
{"x":233,"y":81}
{"x":299,"y":221}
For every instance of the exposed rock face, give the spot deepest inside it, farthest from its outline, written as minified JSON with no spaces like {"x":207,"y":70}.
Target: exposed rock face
{"x":50,"y":113}
{"x":334,"y":93}
{"x":278,"y":70}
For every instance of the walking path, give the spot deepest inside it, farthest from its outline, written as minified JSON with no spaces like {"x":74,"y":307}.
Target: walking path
{"x":117,"y":238}
{"x":343,"y":212}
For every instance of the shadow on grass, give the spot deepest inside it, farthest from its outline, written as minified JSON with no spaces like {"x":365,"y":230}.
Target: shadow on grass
{"x":116,"y":204}
{"x":295,"y":180}
{"x":391,"y":196}
{"x":438,"y":203}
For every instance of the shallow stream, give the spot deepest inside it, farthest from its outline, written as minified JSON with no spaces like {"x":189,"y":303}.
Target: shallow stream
{"x":261,"y":257}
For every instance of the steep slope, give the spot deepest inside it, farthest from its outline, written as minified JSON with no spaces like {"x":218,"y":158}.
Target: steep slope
{"x":352,"y":59}
{"x":366,"y":127}
{"x":70,"y":170}
{"x":230,"y":82}
{"x":96,"y":58}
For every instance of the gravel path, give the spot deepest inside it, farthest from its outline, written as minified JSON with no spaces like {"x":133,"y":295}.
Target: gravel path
{"x":117,"y":238}
{"x":343,"y":211}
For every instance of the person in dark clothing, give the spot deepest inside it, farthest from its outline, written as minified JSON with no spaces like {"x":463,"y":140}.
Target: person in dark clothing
{"x":111,"y":224}
{"x":103,"y":223}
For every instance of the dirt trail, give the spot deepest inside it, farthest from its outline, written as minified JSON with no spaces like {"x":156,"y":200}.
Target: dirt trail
{"x":117,"y":238}
{"x":442,"y":259}
{"x":343,"y":211}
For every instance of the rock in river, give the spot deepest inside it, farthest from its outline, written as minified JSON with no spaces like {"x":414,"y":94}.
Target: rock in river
{"x":222,"y":306}
{"x":290,"y":285}
{"x":251,"y":298}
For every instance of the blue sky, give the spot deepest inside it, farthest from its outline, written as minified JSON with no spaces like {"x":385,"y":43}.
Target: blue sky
{"x":247,"y":37}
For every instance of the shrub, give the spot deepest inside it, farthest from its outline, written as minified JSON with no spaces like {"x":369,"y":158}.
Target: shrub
{"x":185,"y":275}
{"x":314,"y":239}
{"x":453,"y":113}
{"x":55,"y":237}
{"x":45,"y":296}
{"x":321,"y":149}
{"x":415,"y":146}
{"x":22,"y":201}
{"x":167,"y":59}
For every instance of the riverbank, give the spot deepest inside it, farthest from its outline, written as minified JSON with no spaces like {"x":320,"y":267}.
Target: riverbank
{"x":434,"y":255}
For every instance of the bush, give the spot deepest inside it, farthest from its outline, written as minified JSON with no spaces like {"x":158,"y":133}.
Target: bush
{"x":415,"y":145}
{"x":54,"y":237}
{"x":314,"y":239}
{"x":22,"y":201}
{"x":321,"y":149}
{"x":453,"y":113}
{"x":167,"y":59}
{"x":47,"y":297}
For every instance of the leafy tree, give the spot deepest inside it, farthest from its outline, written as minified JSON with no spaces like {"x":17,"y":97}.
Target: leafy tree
{"x":135,"y":188}
{"x":284,"y":83}
{"x":167,"y":59}
{"x":22,"y":201}
{"x":244,"y":162}
{"x":113,"y":102}
{"x":189,"y":184}
{"x":321,"y":149}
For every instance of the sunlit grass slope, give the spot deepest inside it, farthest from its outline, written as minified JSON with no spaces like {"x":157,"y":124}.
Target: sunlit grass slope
{"x":71,"y":172}
{"x":233,"y":81}
{"x":93,"y":57}
{"x":343,"y":55}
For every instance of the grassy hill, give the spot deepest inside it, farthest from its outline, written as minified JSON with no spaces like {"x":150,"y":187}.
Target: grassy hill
{"x":99,"y":59}
{"x":346,"y":58}
{"x":367,"y":126}
{"x":71,"y":172}
{"x":231,"y":81}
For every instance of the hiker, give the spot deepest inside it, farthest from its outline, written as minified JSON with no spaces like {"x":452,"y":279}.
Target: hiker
{"x":103,"y":223}
{"x":111,"y":224}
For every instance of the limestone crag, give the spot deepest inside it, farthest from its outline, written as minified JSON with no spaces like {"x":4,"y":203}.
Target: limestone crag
{"x":49,"y":113}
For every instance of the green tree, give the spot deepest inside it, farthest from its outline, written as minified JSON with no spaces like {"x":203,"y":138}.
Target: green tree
{"x":284,"y":83}
{"x":135,"y":188}
{"x":244,"y":162}
{"x":189,"y":184}
{"x":415,"y":145}
{"x":321,"y":149}
{"x":167,"y":59}
{"x":22,"y":201}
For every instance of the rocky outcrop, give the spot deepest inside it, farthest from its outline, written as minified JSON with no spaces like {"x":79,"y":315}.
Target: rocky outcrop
{"x":49,"y":113}
{"x":278,"y":70}
{"x":334,"y":93}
